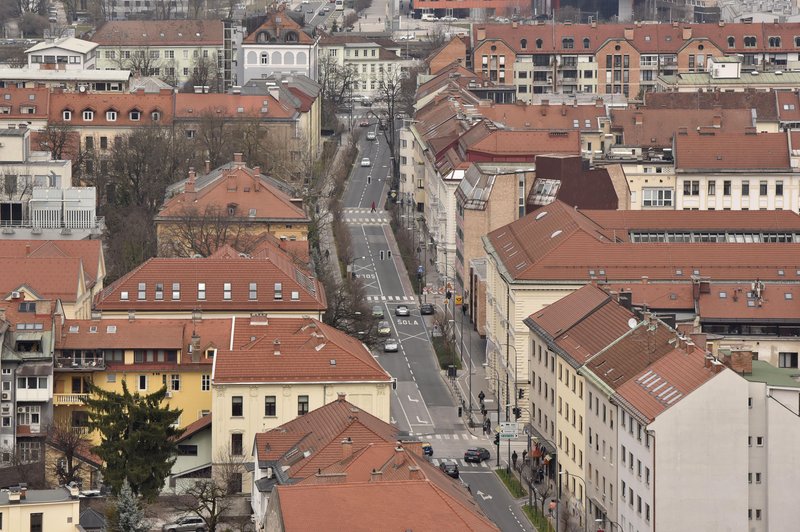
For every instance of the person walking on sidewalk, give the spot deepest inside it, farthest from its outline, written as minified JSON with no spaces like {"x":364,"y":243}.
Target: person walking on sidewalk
{"x":373,"y":206}
{"x":514,"y":459}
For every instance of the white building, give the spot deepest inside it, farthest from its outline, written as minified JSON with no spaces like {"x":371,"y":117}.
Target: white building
{"x":369,"y":59}
{"x":67,"y":53}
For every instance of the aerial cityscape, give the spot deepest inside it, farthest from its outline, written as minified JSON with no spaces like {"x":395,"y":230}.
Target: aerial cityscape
{"x":399,"y":265}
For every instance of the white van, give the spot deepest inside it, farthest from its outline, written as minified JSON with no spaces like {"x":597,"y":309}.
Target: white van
{"x":430,"y":17}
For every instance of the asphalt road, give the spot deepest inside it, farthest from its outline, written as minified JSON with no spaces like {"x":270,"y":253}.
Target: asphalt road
{"x":422,"y":405}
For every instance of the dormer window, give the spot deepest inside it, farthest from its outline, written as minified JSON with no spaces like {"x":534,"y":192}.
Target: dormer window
{"x":66,"y":115}
{"x":586,"y":44}
{"x":523,"y":43}
{"x":111,"y":116}
{"x":278,"y":291}
{"x":159,"y":291}
{"x":232,"y":209}
{"x":774,"y":42}
{"x":750,"y":42}
{"x":155,"y":116}
{"x":135,"y":115}
{"x":176,"y":291}
{"x":88,"y":115}
{"x":142,"y":292}
{"x":253,"y":292}
{"x":226,"y":291}
{"x":123,"y":296}
{"x":539,"y":43}
{"x":731,"y":42}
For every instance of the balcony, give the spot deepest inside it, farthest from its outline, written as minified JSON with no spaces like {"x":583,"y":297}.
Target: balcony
{"x":79,"y":364}
{"x":69,"y":399}
{"x":81,"y":431}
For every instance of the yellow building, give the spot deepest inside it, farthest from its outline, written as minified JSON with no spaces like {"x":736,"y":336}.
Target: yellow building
{"x":56,"y":510}
{"x":282,"y":368}
{"x":147,"y":354}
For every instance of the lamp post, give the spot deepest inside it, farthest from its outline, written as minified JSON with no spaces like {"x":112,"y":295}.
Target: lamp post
{"x":585,"y":495}
{"x":497,"y":398}
{"x":602,"y":522}
{"x":352,"y":264}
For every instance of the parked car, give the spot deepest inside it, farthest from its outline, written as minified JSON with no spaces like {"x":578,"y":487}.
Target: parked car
{"x":449,"y":468}
{"x":366,"y":162}
{"x":427,"y":449}
{"x":371,"y":135}
{"x":401,"y":310}
{"x":189,"y":523}
{"x":426,"y":309}
{"x":364,"y":123}
{"x":448,"y":19}
{"x":377,"y":311}
{"x":384,"y":329}
{"x":390,"y":346}
{"x":366,"y":102}
{"x":476,"y":454}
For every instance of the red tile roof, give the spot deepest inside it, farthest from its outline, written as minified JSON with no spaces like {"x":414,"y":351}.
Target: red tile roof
{"x":763,"y":104}
{"x":194,"y":107}
{"x":739,"y":303}
{"x":121,"y":334}
{"x":618,"y":223}
{"x":89,"y":251}
{"x":424,"y":506}
{"x":732,"y":151}
{"x":160,"y":33}
{"x":666,"y":381}
{"x":239,"y":272}
{"x":524,"y":145}
{"x":569,"y":310}
{"x":15,"y":99}
{"x":560,"y":243}
{"x":549,"y":117}
{"x":788,"y":106}
{"x":657,"y":127}
{"x":276,"y":27}
{"x":123,"y":103}
{"x":49,"y":278}
{"x":320,"y":433}
{"x":296,"y":350}
{"x":194,"y":427}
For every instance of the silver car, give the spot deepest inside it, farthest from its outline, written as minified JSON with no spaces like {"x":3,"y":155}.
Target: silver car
{"x":188,"y":523}
{"x":390,"y":345}
{"x":401,"y":310}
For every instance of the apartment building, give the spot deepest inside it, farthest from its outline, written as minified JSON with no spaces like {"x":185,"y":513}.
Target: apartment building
{"x":369,"y":60}
{"x":27,"y":106}
{"x":66,"y":53}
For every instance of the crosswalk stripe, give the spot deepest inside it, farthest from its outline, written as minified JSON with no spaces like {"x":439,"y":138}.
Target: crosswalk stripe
{"x":438,"y":436}
{"x":474,"y":437}
{"x":383,"y":298}
{"x":463,"y":463}
{"x":435,"y":461}
{"x":465,"y":436}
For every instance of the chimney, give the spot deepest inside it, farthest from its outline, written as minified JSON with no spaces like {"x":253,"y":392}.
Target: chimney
{"x":399,"y":456}
{"x":14,"y":495}
{"x":645,"y":279}
{"x":707,"y":361}
{"x":375,"y":476}
{"x":27,"y":249}
{"x":750,"y":131}
{"x":275,"y":92}
{"x":599,"y":102}
{"x":740,"y":361}
{"x":208,"y":166}
{"x":689,"y":347}
{"x":716,"y":121}
{"x":699,"y":339}
{"x":481,"y":34}
{"x":563,"y":108}
{"x":628,"y":34}
{"x":257,"y":170}
{"x":543,"y":107}
{"x":687,"y":33}
{"x":347,"y":447}
{"x":594,"y":23}
{"x":238,"y":160}
{"x":190,"y":183}
{"x":514,"y":24}
{"x":638,"y":118}
{"x":681,"y":343}
{"x":23,"y":490}
{"x":415,"y":473}
{"x":276,"y":344}
{"x":341,"y":396}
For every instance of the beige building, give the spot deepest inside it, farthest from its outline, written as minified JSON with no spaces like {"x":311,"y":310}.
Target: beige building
{"x":368,"y":59}
{"x":277,"y":369}
{"x":56,"y":510}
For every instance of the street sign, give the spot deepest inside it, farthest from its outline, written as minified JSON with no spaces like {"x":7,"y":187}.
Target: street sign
{"x":509,"y":430}
{"x":420,"y":269}
{"x":459,"y":300}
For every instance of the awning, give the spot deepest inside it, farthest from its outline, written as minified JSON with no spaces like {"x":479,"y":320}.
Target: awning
{"x":35,"y":370}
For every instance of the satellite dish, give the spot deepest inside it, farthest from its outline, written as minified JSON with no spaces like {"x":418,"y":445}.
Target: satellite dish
{"x":632,"y":323}
{"x":82,"y":88}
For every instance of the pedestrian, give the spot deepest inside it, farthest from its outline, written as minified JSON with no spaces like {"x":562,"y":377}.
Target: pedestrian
{"x":514,"y":459}
{"x":481,"y":396}
{"x":524,"y":456}
{"x":373,"y":206}
{"x":488,"y":426}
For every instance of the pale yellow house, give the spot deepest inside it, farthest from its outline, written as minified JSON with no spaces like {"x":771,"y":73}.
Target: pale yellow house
{"x":56,"y":510}
{"x":280,"y":368}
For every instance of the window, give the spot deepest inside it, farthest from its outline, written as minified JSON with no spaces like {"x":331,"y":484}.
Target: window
{"x":237,"y":406}
{"x":712,"y":188}
{"x":175,"y":382}
{"x":89,"y":143}
{"x":253,"y":292}
{"x":278,"y":291}
{"x":201,"y":291}
{"x":37,"y":522}
{"x":726,"y":188}
{"x":135,"y":115}
{"x":302,"y":405}
{"x":745,"y":188}
{"x":226,"y":291}
{"x":159,"y":295}
{"x":142,"y":383}
{"x":155,"y":116}
{"x":760,"y":441}
{"x":647,"y":512}
{"x":691,"y":188}
{"x":236,"y":444}
{"x":88,"y":116}
{"x":176,"y":291}
{"x":758,"y":513}
{"x":111,"y":116}
{"x":779,"y":188}
{"x":29,"y":415}
{"x":142,"y":291}
{"x":787,"y":360}
{"x":762,"y":188}
{"x":187,"y":450}
{"x":758,"y":478}
{"x":205,"y":383}
{"x":270,"y":406}
{"x":657,"y":197}
{"x":647,"y":475}
{"x":103,"y":143}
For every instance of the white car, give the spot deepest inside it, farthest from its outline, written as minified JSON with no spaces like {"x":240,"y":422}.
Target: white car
{"x":390,"y":346}
{"x":371,"y":135}
{"x":448,"y":19}
{"x":366,"y":162}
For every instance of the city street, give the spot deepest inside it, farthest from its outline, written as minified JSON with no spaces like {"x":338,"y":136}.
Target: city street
{"x":422,"y":405}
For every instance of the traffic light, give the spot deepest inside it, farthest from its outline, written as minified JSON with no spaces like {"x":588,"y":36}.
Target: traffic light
{"x":448,"y":295}
{"x":497,"y":439}
{"x":521,"y":394}
{"x":517,"y":412}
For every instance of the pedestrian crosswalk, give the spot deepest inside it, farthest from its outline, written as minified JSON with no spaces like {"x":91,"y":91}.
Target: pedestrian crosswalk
{"x":365,"y":216}
{"x":461,"y":463}
{"x":391,"y":298}
{"x":366,"y":221}
{"x":454,"y":436}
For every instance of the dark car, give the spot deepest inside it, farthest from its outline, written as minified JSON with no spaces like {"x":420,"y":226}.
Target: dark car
{"x":449,"y":469}
{"x":426,"y":309}
{"x":427,"y":449}
{"x":476,"y":454}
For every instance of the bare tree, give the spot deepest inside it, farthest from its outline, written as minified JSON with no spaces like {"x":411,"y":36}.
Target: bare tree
{"x":205,"y":73}
{"x":61,"y":436}
{"x":228,"y":469}
{"x":194,"y":232}
{"x":208,"y":500}
{"x":391,"y":97}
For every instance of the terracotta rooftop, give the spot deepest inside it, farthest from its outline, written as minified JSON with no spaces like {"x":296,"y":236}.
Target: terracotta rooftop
{"x":194,"y":427}
{"x":160,"y":33}
{"x":13,"y":100}
{"x":656,"y":127}
{"x":732,"y":151}
{"x":321,"y":433}
{"x":425,"y":507}
{"x":666,"y":381}
{"x":788,"y":106}
{"x":296,"y":350}
{"x":296,"y":291}
{"x":763,"y":104}
{"x":545,"y":116}
{"x":194,"y":107}
{"x":89,"y":251}
{"x":740,"y":303}
{"x":50,"y":278}
{"x":121,"y":334}
{"x":134,"y":109}
{"x":525,"y":145}
{"x":279,"y":27}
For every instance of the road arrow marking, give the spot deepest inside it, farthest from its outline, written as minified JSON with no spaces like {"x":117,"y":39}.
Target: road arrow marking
{"x":413,"y":400}
{"x":484,"y":496}
{"x":393,"y":421}
{"x":421,"y":422}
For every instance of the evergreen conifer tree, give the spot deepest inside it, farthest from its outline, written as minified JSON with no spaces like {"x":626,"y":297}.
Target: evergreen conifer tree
{"x":130,"y":517}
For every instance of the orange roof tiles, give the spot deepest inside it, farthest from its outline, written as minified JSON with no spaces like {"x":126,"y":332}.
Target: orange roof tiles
{"x":763,"y":104}
{"x":49,"y":278}
{"x":344,"y":504}
{"x":214,"y":274}
{"x":276,"y":27}
{"x":657,"y":127}
{"x":15,"y":99}
{"x":160,"y":33}
{"x":230,"y":106}
{"x":506,"y":145}
{"x":737,"y":302}
{"x":788,"y":106}
{"x":550,"y":117}
{"x":89,"y":251}
{"x":194,"y":427}
{"x":121,"y":103}
{"x":294,"y":350}
{"x":121,"y":334}
{"x":732,"y":151}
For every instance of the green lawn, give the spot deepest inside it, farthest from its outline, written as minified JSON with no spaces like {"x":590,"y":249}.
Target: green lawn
{"x":539,"y":521}
{"x":511,"y":482}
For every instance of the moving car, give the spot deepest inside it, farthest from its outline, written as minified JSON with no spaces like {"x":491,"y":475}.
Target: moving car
{"x":366,"y":162}
{"x":377,"y":311}
{"x":390,"y":345}
{"x":427,"y":449}
{"x":429,"y":17}
{"x":426,"y":309}
{"x":187,"y":523}
{"x":385,"y":330}
{"x":450,"y":469}
{"x":364,"y":123}
{"x":326,"y":9}
{"x":401,"y":310}
{"x":448,"y":19}
{"x":366,"y":102}
{"x":371,"y":135}
{"x":476,"y":454}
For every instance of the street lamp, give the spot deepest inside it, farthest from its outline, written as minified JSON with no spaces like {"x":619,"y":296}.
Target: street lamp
{"x":497,"y":398}
{"x":603,"y":520}
{"x":352,"y":265}
{"x":585,"y":495}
